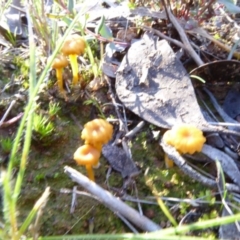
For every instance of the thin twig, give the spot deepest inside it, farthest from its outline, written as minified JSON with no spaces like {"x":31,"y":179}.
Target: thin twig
{"x":74,"y":200}
{"x":76,"y":121}
{"x":135,"y":130}
{"x":130,"y":226}
{"x":208,"y":114}
{"x":221,"y":187}
{"x":191,"y":213}
{"x":109,"y":200}
{"x":204,"y":33}
{"x":11,"y":121}
{"x":228,"y":164}
{"x":193,"y":202}
{"x":7,"y":112}
{"x":82,"y":216}
{"x":138,"y":203}
{"x":64,"y":190}
{"x":160,"y":34}
{"x":180,"y":161}
{"x":184,"y":38}
{"x":205,"y":7}
{"x":225,"y":124}
{"x":122,"y":121}
{"x":211,"y":128}
{"x":122,"y":125}
{"x":219,"y":109}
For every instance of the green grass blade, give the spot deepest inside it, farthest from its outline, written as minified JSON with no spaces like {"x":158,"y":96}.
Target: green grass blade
{"x":10,"y":199}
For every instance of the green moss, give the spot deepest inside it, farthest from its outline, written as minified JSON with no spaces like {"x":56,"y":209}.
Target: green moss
{"x":89,"y":215}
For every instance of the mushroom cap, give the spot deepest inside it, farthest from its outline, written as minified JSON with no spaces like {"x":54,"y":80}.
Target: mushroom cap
{"x":74,"y":44}
{"x":97,"y":131}
{"x":185,"y":138}
{"x":60,"y":61}
{"x":86,"y":155}
{"x":96,"y":145}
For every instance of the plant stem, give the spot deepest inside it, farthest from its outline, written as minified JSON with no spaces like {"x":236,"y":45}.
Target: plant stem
{"x":59,"y":72}
{"x":90,"y":172}
{"x":90,"y":55}
{"x":11,"y":194}
{"x":74,"y":65}
{"x":41,"y":202}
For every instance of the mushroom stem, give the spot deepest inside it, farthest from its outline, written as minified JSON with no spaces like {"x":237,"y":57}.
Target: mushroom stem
{"x":59,"y":72}
{"x":74,"y":65}
{"x":168,"y":162}
{"x":90,"y":172}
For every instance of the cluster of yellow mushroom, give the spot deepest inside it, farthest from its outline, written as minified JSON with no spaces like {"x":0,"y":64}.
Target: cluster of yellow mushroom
{"x":96,"y":133}
{"x":185,"y":138}
{"x":73,"y":46}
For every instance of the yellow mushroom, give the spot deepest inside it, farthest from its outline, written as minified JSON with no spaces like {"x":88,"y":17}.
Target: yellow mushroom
{"x":58,"y":64}
{"x":73,"y":46}
{"x":97,"y":132}
{"x":185,"y":138}
{"x":88,"y":156}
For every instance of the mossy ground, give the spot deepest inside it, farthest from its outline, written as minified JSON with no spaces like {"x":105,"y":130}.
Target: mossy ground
{"x":45,"y":168}
{"x":47,"y":160}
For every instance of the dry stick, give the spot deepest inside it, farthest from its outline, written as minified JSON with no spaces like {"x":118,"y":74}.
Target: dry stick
{"x":11,"y":121}
{"x":184,"y":38}
{"x":181,"y":163}
{"x":127,"y":223}
{"x":160,"y":34}
{"x":205,"y":7}
{"x":112,"y":202}
{"x":122,"y":124}
{"x":7,"y":112}
{"x":203,"y":33}
{"x":219,"y":109}
{"x":222,"y":113}
{"x":227,"y":163}
{"x":235,"y":27}
{"x":125,"y":129}
{"x":135,"y":130}
{"x":221,"y":188}
{"x":225,"y":124}
{"x":130,"y":226}
{"x":74,"y":200}
{"x":16,"y":7}
{"x":207,"y":128}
